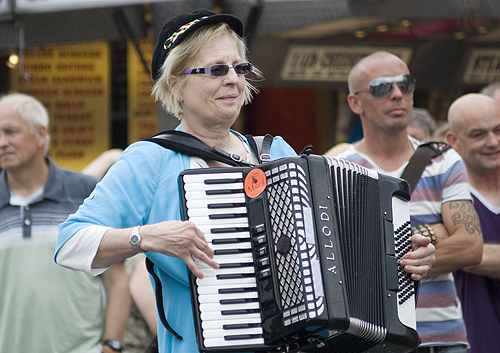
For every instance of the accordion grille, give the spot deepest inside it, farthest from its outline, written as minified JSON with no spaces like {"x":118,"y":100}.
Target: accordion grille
{"x":287,"y":263}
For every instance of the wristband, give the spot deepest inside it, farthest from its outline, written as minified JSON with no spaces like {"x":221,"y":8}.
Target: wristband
{"x":427,"y":231}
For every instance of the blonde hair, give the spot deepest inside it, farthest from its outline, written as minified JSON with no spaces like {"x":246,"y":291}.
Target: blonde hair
{"x":179,"y":58}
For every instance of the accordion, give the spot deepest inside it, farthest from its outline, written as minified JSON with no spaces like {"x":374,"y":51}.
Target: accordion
{"x":308,"y":249}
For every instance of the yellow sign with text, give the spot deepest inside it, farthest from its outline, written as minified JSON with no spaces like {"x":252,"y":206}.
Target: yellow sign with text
{"x":142,"y":119}
{"x":73,"y":82}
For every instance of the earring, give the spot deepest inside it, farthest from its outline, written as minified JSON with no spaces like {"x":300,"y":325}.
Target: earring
{"x":181,"y":111}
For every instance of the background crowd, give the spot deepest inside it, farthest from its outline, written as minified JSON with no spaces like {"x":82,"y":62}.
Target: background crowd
{"x":200,"y":69}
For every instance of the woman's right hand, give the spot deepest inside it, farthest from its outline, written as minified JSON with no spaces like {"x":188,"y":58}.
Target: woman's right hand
{"x":181,"y":239}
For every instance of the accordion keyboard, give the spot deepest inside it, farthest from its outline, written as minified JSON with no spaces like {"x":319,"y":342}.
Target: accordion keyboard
{"x":228,"y":303}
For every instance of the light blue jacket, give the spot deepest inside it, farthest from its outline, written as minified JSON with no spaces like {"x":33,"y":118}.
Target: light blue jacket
{"x":142,"y":188}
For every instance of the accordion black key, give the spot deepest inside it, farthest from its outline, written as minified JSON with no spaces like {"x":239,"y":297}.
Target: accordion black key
{"x":308,"y":249}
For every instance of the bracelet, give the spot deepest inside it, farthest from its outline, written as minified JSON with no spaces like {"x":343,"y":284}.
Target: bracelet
{"x":427,"y":231}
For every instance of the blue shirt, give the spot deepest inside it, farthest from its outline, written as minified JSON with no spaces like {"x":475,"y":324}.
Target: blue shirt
{"x":142,"y":187}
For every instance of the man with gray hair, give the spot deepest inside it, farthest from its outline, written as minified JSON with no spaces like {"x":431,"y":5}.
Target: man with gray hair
{"x":44,"y":307}
{"x":492,"y":90}
{"x":474,"y":133}
{"x":422,"y":125}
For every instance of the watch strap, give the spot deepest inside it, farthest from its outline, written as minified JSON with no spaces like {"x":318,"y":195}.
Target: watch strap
{"x":114,"y":344}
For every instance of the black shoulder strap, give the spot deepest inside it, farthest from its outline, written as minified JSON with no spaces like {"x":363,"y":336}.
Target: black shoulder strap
{"x":159,"y":299}
{"x":190,"y":145}
{"x":420,"y":159}
{"x":261,"y":146}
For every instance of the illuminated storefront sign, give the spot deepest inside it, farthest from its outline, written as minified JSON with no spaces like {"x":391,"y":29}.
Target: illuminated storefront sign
{"x":482,"y":67}
{"x":73,"y":82}
{"x":328,"y":63}
{"x":142,"y":119}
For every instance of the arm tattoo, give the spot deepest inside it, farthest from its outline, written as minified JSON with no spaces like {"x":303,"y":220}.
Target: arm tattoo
{"x":466,"y":214}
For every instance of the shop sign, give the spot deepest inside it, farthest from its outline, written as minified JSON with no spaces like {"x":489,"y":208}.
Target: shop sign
{"x":142,"y":120}
{"x":329,"y":63}
{"x":73,"y":83}
{"x":483,"y":66}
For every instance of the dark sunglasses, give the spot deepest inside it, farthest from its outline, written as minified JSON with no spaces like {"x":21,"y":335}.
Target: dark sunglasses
{"x":222,"y":70}
{"x":382,"y":86}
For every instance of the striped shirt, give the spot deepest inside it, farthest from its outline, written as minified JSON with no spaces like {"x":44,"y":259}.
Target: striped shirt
{"x":45,"y":307}
{"x":439,"y":313}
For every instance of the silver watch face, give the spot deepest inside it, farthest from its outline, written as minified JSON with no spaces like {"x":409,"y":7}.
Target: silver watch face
{"x":134,"y":239}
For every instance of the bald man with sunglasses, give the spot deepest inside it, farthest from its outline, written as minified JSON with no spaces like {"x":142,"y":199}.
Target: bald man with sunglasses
{"x":381,"y":93}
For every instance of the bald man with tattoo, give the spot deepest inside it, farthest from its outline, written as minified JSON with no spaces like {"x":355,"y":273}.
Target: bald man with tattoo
{"x":381,"y":93}
{"x":474,"y":133}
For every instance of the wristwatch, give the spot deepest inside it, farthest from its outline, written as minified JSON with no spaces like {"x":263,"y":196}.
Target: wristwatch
{"x":135,"y":239}
{"x":115,"y":344}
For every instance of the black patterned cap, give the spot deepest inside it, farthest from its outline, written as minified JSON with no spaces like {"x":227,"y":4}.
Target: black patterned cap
{"x":178,"y":28}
